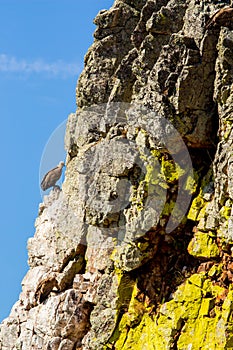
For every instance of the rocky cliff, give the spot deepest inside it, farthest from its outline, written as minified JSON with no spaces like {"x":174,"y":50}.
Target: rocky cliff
{"x":136,"y":250}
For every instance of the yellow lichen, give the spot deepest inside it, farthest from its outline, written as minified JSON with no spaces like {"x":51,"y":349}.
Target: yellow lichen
{"x":203,"y":245}
{"x":192,"y":319}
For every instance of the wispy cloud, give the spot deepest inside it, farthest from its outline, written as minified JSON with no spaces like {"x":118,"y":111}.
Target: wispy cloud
{"x":11,"y":64}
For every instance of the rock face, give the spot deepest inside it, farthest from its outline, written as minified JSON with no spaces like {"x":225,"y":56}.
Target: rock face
{"x":136,"y":250}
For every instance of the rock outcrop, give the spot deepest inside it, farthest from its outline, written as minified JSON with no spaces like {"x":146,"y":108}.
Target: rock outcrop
{"x":136,"y":250}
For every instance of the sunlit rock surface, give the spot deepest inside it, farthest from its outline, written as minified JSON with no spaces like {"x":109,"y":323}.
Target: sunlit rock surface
{"x":136,"y":249}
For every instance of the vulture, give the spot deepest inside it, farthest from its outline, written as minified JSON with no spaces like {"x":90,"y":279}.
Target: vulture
{"x":52,"y":177}
{"x":222,"y":18}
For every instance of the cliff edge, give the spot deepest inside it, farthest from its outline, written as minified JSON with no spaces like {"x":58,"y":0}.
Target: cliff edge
{"x":136,"y":250}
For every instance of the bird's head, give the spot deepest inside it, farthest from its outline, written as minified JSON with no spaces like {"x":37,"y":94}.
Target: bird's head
{"x":61,"y":164}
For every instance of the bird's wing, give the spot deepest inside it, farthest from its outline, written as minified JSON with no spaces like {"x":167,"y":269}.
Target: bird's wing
{"x":45,"y":178}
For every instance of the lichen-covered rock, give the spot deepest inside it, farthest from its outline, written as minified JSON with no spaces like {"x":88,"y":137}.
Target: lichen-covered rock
{"x":136,"y":250}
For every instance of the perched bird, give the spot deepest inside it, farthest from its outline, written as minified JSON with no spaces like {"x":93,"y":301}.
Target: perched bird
{"x":221,"y":18}
{"x":52,"y":177}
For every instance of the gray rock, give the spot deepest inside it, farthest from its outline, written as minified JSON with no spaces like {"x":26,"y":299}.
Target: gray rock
{"x":155,"y":101}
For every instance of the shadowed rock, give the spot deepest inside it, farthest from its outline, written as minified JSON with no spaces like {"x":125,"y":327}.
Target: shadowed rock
{"x":52,"y":177}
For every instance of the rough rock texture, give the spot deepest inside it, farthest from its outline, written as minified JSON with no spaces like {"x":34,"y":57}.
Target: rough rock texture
{"x":136,"y":250}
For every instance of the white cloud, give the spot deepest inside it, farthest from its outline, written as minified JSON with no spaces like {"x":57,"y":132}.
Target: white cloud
{"x":12,"y":64}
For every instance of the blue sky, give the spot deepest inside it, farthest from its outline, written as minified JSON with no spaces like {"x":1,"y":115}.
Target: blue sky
{"x":42,"y":48}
